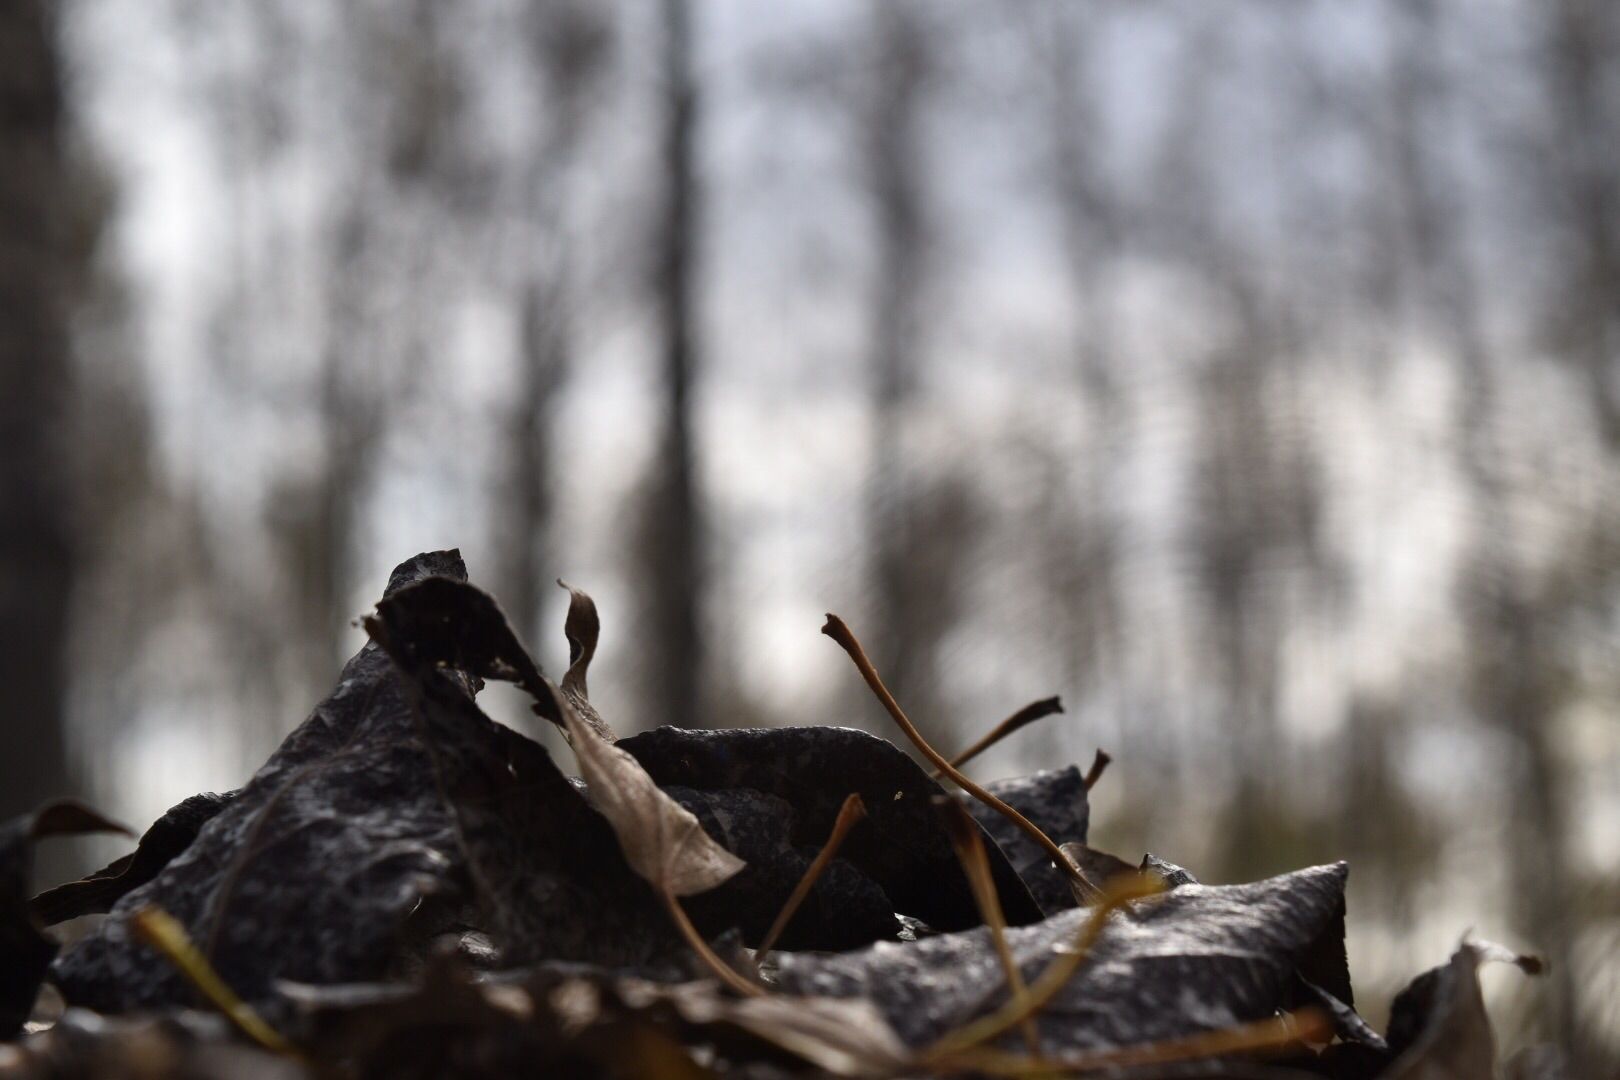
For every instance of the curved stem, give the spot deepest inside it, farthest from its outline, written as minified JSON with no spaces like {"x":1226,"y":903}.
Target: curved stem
{"x":846,"y":640}
{"x":852,"y":812}
{"x":1054,"y":978}
{"x":1030,"y":713}
{"x":722,"y":970}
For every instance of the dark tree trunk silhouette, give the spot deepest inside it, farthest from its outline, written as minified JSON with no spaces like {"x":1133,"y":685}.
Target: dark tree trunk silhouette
{"x":566,"y":45}
{"x":1086,"y":556}
{"x":36,"y":550}
{"x":675,"y":545}
{"x":893,"y":160}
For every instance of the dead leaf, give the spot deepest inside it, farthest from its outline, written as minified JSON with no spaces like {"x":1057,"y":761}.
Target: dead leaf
{"x":1438,"y":1027}
{"x":166,"y":838}
{"x":902,"y":845}
{"x":396,"y":811}
{"x":25,"y":951}
{"x":661,"y":839}
{"x":582,"y":628}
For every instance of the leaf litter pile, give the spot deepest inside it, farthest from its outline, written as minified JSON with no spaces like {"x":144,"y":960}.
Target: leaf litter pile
{"x":408,"y":889}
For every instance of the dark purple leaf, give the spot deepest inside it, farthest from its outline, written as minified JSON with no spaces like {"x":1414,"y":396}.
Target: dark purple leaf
{"x":901,"y":845}
{"x":844,"y":910}
{"x":395,"y":811}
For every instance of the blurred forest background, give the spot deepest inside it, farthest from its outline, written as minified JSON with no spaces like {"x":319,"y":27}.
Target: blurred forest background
{"x":1247,"y":373}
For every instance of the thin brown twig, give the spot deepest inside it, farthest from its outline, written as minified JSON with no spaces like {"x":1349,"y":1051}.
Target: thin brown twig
{"x":849,"y":815}
{"x":1099,"y":762}
{"x":722,"y":970}
{"x":969,"y":845}
{"x":839,"y":632}
{"x":1030,"y":713}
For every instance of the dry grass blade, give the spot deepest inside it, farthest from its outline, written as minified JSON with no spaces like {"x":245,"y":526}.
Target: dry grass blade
{"x":839,"y":632}
{"x":1057,"y":974}
{"x":969,"y":845}
{"x":164,"y":933}
{"x":1274,"y":1034}
{"x":1035,"y":710}
{"x":722,"y":970}
{"x":852,"y":812}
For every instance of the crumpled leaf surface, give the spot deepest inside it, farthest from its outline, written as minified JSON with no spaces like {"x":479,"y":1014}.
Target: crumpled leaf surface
{"x":1055,"y":800}
{"x":25,"y":951}
{"x":394,"y":809}
{"x":901,"y":845}
{"x":1198,"y":958}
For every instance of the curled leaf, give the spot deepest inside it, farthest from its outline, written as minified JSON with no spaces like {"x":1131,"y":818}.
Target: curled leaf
{"x":166,"y":838}
{"x":444,"y":621}
{"x":1438,"y":1027}
{"x":582,"y":627}
{"x":661,"y":839}
{"x":25,"y":952}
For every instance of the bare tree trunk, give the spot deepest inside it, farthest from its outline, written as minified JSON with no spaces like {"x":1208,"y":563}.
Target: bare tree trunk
{"x":524,"y":516}
{"x":675,"y":550}
{"x":1086,"y":561}
{"x":894,"y":168}
{"x":1515,"y":622}
{"x":566,"y":45}
{"x":36,"y":548}
{"x":1583,"y":33}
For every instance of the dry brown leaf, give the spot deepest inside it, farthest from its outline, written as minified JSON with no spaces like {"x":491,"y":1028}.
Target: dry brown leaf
{"x":661,"y":839}
{"x":583,"y":626}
